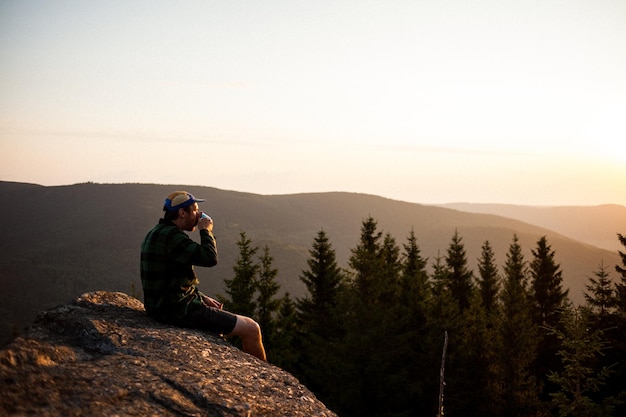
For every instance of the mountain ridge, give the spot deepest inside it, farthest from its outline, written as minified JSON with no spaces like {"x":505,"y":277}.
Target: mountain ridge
{"x":583,"y":223}
{"x":62,"y":241}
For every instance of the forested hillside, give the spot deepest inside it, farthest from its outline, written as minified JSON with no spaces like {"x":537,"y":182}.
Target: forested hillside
{"x":356,"y":293}
{"x":373,"y":340}
{"x":59,"y":242}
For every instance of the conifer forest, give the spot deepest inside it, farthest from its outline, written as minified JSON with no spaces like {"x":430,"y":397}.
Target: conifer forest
{"x":396,"y":334}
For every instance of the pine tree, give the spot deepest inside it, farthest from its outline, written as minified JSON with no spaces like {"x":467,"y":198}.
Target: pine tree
{"x":242,"y":287}
{"x":460,"y":278}
{"x":601,"y":297}
{"x":443,"y":315}
{"x":370,"y":383}
{"x":390,"y":272}
{"x":414,"y":299}
{"x":481,"y":335}
{"x":547,"y":285}
{"x":581,"y":380}
{"x":473,"y":388}
{"x":489,"y":280}
{"x":439,"y":276}
{"x":324,"y":281}
{"x":618,"y":333}
{"x":517,"y":339}
{"x":267,"y":304}
{"x":320,"y":320}
{"x":366,"y":263}
{"x":443,"y":310}
{"x":393,"y":339}
{"x":414,"y":276}
{"x":549,"y":300}
{"x":286,"y":353}
{"x":621,"y":286}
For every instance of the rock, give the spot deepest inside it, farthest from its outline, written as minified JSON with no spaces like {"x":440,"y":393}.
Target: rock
{"x":101,"y":355}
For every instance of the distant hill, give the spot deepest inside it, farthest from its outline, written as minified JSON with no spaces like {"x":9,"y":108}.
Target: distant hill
{"x":59,"y":242}
{"x":596,"y":225}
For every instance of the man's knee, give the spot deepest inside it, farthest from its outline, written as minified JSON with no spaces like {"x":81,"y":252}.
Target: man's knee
{"x":246,"y":327}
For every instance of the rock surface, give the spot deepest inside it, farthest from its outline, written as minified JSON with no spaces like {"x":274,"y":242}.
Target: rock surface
{"x":101,"y":355}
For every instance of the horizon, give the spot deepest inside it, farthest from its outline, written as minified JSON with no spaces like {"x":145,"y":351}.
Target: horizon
{"x":447,"y":203}
{"x":429,"y":103}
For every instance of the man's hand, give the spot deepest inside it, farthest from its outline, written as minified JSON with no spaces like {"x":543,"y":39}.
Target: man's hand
{"x":211,"y":302}
{"x":205,"y":222}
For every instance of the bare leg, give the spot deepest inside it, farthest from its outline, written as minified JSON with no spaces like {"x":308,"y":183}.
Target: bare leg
{"x":250,"y":334}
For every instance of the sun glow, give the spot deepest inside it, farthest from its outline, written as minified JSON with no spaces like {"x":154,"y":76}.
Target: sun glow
{"x":606,"y":132}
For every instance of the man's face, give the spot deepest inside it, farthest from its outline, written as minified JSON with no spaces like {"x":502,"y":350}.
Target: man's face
{"x":189,"y":217}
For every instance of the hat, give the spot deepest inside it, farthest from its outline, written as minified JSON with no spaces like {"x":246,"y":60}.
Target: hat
{"x":180,"y":199}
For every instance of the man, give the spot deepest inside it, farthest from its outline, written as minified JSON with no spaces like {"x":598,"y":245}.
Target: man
{"x":169,"y":280}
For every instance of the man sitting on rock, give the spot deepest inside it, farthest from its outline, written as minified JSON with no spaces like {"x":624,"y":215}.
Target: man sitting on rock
{"x":169,"y":281}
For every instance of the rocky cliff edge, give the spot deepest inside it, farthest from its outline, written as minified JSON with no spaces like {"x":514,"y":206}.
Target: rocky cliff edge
{"x":101,"y":355}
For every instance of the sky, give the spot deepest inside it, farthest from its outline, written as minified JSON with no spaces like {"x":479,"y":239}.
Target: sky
{"x":426,"y":101}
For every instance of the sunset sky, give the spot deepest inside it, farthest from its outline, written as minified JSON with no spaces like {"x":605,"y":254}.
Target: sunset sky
{"x":427,"y":101}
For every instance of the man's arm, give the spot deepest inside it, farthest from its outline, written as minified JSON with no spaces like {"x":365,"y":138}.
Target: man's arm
{"x":206,"y":252}
{"x":184,"y":250}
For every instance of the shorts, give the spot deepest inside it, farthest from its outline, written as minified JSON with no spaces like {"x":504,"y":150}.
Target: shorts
{"x":210,"y":319}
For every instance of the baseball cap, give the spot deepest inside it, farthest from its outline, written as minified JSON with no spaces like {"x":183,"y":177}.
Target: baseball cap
{"x":180,"y":199}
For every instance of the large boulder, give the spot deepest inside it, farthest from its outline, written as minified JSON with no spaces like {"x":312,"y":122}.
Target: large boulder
{"x":101,"y":355}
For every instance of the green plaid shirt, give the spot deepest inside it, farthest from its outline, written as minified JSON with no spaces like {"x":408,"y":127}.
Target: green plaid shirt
{"x":167,"y":276}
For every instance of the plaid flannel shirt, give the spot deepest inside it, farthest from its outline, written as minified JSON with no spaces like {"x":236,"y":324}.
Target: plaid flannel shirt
{"x":168,"y":279}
